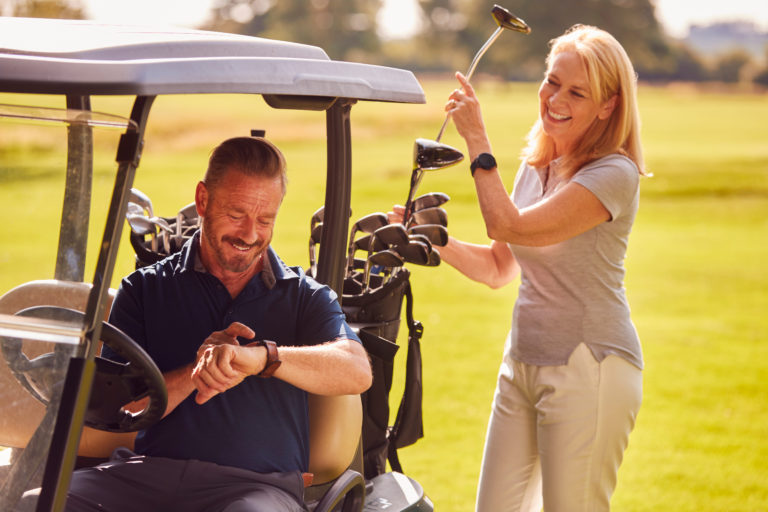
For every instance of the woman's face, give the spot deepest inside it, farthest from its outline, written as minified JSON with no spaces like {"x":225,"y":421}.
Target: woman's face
{"x":566,"y":106}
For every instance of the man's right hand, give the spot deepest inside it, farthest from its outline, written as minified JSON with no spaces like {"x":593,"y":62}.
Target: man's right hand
{"x":222,"y":363}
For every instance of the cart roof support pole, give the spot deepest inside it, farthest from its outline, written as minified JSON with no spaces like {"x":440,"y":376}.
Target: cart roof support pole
{"x":333,"y":242}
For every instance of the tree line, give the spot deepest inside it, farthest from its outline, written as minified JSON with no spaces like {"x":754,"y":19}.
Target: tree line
{"x":451,"y":31}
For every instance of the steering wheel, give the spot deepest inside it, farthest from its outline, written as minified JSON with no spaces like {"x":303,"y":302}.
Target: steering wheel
{"x":114,"y":384}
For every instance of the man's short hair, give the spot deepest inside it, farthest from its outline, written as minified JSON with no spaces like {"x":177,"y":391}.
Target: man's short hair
{"x":252,"y":156}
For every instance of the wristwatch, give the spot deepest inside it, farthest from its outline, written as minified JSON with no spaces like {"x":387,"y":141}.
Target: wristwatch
{"x":273,"y":361}
{"x":483,"y":161}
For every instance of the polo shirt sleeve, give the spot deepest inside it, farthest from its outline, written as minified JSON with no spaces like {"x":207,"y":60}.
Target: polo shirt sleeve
{"x":614,"y":180}
{"x":322,"y":319}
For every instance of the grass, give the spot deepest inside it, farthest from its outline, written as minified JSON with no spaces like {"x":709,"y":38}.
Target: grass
{"x":696,"y":275}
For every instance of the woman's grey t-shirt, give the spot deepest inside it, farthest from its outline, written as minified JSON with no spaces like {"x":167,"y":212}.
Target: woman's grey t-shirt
{"x":573,"y":292}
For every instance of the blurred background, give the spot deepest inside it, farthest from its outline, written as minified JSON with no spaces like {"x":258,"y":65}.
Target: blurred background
{"x":668,"y":40}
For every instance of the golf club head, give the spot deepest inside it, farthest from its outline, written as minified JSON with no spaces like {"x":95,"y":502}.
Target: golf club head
{"x":509,"y":21}
{"x":434,"y":215}
{"x":430,"y":155}
{"x":189,"y":212}
{"x":140,"y":224}
{"x":140,"y":198}
{"x":415,"y":252}
{"x":371,"y":222}
{"x":366,"y":224}
{"x":317,"y":232}
{"x":386,"y":258}
{"x":434,"y":258}
{"x":436,"y":233}
{"x":422,"y":239}
{"x":390,"y":235}
{"x":314,"y":239}
{"x":429,"y":200}
{"x":317,"y":217}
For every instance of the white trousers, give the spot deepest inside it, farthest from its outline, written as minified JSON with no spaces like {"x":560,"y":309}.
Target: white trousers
{"x":557,"y":434}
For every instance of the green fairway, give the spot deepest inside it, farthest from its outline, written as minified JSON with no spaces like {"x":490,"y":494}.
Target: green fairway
{"x":696,"y":274}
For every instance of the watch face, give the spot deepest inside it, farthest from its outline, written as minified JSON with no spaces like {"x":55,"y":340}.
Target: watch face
{"x":486,"y":161}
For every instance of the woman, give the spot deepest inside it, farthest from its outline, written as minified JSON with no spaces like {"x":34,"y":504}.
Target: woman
{"x":570,"y":385}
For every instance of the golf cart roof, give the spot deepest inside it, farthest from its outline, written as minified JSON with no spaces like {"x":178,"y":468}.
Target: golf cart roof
{"x":74,"y":57}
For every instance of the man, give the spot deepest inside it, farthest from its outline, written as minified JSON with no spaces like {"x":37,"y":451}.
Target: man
{"x":235,"y":434}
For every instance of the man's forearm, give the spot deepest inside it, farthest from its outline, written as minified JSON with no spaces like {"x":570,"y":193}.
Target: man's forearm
{"x":336,"y":368}
{"x":179,"y":384}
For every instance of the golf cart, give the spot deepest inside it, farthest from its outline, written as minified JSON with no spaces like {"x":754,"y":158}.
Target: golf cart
{"x":59,"y":401}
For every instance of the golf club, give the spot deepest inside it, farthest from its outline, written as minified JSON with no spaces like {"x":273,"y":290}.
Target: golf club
{"x":142,"y":225}
{"x":434,"y":215}
{"x":366,"y":224}
{"x":428,"y":155}
{"x":316,"y":217}
{"x":314,"y":239}
{"x":383,"y":238}
{"x":436,"y":233}
{"x":140,"y":198}
{"x":505,"y":20}
{"x":386,"y":258}
{"x":416,"y":251}
{"x":434,"y":258}
{"x":429,"y":200}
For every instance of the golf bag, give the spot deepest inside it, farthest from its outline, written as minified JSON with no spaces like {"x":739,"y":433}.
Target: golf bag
{"x":377,"y":315}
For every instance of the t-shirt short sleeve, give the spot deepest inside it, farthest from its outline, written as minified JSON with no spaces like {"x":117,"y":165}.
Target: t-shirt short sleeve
{"x":614,"y":179}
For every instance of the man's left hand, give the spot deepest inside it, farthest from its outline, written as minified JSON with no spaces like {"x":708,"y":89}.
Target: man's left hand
{"x":222,"y":363}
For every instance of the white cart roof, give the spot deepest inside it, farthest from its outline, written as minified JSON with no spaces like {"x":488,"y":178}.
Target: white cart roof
{"x":75,"y":57}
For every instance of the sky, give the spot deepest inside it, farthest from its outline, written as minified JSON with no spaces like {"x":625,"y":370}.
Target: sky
{"x":398,"y":15}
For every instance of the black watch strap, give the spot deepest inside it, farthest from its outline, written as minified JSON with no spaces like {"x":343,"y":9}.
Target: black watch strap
{"x":483,"y":161}
{"x":273,"y":360}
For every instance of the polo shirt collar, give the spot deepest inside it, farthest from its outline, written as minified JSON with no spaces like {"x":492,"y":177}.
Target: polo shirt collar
{"x":273,"y":270}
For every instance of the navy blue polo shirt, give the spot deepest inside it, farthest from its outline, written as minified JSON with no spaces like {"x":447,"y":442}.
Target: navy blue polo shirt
{"x":171,"y":307}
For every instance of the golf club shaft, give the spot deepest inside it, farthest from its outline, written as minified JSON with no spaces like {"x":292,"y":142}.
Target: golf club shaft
{"x":416,"y":177}
{"x":471,"y":71}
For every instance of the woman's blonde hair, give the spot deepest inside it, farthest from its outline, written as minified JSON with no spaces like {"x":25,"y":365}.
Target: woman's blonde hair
{"x":610,"y":73}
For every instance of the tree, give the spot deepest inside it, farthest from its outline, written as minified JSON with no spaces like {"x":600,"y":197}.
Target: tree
{"x":345,"y":29}
{"x":728,"y":67}
{"x":518,"y":56}
{"x":63,"y":9}
{"x":761,"y":78}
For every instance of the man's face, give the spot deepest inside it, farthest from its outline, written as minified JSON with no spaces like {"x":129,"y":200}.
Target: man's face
{"x":238,"y":219}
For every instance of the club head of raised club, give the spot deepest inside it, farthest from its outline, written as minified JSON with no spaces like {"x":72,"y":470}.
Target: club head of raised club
{"x":430,"y":155}
{"x":509,"y":21}
{"x":436,"y":233}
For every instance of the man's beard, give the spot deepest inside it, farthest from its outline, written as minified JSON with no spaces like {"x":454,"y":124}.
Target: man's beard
{"x":237,"y":263}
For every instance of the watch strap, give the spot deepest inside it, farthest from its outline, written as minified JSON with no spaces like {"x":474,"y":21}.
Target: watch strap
{"x":273,"y":360}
